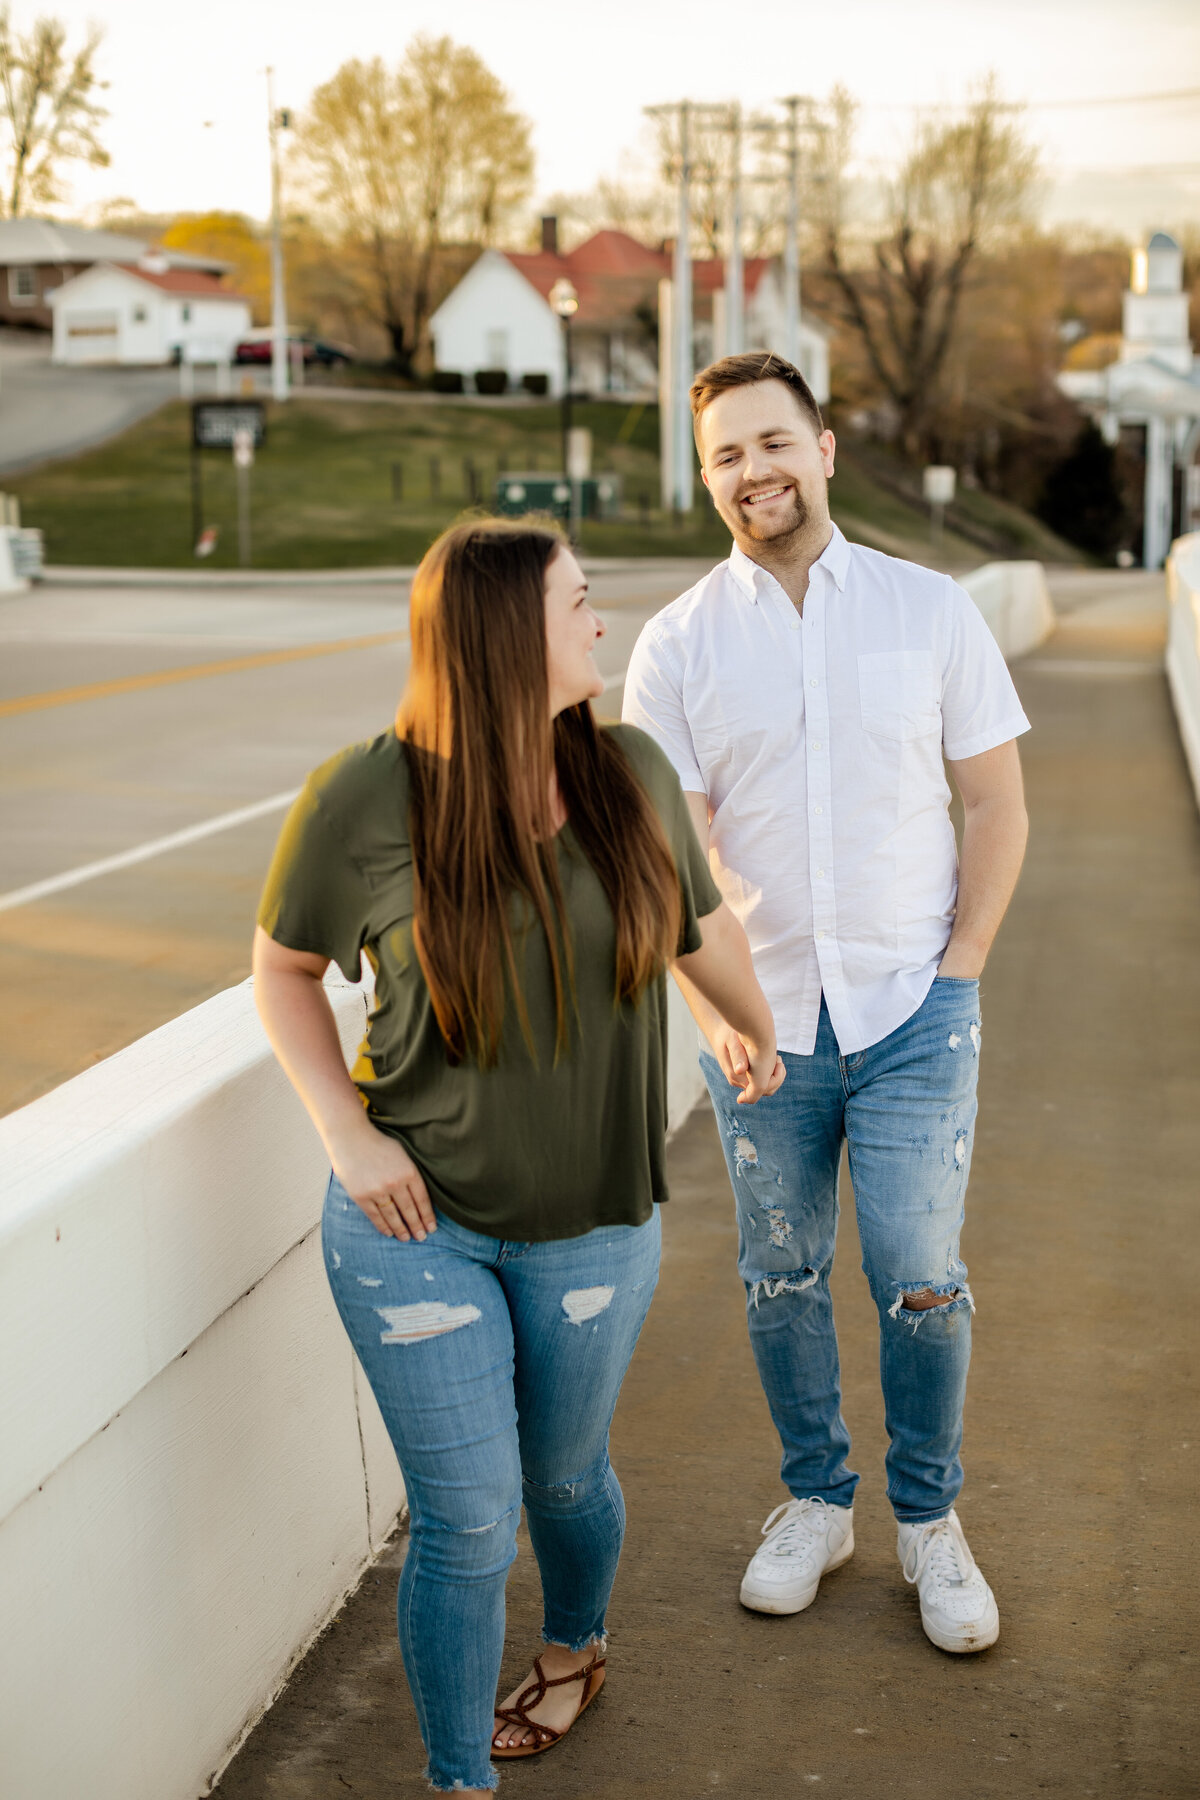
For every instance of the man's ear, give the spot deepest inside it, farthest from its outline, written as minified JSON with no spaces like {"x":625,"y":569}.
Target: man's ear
{"x":704,"y":475}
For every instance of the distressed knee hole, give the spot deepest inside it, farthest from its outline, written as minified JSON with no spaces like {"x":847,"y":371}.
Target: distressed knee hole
{"x":745,"y":1151}
{"x":771,"y":1286}
{"x":424,"y":1319}
{"x":584,"y":1303}
{"x":924,"y":1298}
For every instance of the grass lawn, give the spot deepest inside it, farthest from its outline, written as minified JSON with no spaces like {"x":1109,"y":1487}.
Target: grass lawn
{"x":351,"y":483}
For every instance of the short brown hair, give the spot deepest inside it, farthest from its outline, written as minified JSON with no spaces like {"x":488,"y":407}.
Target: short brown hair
{"x":745,"y":371}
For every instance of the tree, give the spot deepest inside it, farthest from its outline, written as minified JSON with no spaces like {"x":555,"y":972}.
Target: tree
{"x":50,"y":111}
{"x":230,"y":238}
{"x":900,"y":286}
{"x":409,"y":162}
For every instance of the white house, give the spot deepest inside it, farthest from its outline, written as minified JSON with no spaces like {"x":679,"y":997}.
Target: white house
{"x":1154,"y":385}
{"x":499,"y":316}
{"x":147,"y":312}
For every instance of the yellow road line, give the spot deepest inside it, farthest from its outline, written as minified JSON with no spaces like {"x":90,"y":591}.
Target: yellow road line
{"x":130,"y":684}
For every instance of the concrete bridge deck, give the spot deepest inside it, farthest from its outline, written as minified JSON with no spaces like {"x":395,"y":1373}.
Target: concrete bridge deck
{"x":1082,"y":1440}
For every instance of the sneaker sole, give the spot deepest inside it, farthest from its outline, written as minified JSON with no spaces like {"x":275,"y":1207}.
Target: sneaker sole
{"x":766,"y":1600}
{"x":966,"y":1643}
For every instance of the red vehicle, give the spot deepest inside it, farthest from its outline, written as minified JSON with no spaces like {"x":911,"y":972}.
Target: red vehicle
{"x":255,"y":347}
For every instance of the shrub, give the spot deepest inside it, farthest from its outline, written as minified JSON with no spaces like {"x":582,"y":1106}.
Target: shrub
{"x":536,"y":384}
{"x":447,"y":381}
{"x":491,"y":381}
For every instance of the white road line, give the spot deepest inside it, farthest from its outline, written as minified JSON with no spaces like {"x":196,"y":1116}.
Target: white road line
{"x":57,"y":884}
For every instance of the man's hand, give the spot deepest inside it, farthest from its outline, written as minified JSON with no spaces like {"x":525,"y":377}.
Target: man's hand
{"x":758,"y":1073}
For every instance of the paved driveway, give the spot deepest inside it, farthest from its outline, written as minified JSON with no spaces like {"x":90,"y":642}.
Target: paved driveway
{"x":47,"y":412}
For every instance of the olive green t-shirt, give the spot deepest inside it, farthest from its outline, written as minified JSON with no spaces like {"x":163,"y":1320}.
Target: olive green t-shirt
{"x":529,"y":1149}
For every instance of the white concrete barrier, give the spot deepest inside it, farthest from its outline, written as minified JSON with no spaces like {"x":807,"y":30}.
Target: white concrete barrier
{"x":194,"y":1470}
{"x":1015,"y":601}
{"x":1183,"y":645}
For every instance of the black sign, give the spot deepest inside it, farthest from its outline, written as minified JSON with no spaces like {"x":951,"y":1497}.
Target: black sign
{"x":214,"y":422}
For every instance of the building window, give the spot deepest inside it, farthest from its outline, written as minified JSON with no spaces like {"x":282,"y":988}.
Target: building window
{"x":22,"y":286}
{"x":185,"y":313}
{"x":139,"y":315}
{"x":497,"y":349}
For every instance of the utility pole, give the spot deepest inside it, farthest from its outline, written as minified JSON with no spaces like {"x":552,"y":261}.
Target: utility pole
{"x":791,"y":247}
{"x":277,"y":122}
{"x":735,"y":285}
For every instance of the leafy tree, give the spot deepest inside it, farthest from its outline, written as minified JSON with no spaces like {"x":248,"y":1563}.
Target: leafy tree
{"x":409,"y":162}
{"x":1082,"y":498}
{"x":231,"y":238}
{"x":49,"y":109}
{"x":899,"y":281}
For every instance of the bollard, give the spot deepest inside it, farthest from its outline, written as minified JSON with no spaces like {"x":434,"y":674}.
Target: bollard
{"x":397,"y":481}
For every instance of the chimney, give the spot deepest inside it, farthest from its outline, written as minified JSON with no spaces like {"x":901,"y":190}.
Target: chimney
{"x":550,"y":234}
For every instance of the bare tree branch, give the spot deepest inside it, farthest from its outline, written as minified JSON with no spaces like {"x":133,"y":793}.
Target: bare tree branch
{"x":50,"y":113}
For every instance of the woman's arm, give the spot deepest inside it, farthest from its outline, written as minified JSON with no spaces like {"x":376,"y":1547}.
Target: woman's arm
{"x":720,"y":986}
{"x":374,"y":1169}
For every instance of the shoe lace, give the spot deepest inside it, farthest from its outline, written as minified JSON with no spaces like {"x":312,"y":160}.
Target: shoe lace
{"x":806,"y":1523}
{"x":942,"y":1549}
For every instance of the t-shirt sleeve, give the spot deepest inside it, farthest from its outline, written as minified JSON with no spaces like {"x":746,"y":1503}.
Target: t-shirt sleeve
{"x":980,"y":707}
{"x":315,"y":898}
{"x":654,"y":703}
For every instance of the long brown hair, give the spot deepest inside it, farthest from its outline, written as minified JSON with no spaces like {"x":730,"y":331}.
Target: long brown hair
{"x":481,"y":747}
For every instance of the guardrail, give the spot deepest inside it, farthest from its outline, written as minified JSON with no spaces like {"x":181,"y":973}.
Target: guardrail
{"x":1183,"y":645}
{"x":195,"y":1472}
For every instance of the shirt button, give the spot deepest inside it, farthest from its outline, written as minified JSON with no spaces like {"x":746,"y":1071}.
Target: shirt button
{"x":820,"y":934}
{"x":818,"y":810}
{"x":816,"y":743}
{"x":813,"y":682}
{"x":820,"y":871}
{"x":793,"y":624}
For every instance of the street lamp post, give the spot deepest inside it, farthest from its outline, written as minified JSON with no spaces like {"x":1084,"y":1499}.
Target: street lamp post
{"x":565,"y":301}
{"x":277,"y":121}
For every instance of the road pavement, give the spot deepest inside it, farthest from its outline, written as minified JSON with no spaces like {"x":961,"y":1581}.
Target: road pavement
{"x":48,"y":412}
{"x":1081,"y":1431}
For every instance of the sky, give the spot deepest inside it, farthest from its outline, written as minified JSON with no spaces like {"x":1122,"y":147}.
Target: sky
{"x":187,"y":94}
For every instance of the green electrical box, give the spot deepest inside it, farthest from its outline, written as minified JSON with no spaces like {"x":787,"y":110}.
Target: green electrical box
{"x":599,"y":495}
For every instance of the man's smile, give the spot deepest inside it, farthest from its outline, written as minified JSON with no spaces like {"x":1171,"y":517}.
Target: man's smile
{"x":775,"y":493}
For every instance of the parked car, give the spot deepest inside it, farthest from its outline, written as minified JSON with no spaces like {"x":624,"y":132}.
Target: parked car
{"x":255,"y":347}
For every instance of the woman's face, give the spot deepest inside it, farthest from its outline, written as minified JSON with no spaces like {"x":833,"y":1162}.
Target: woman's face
{"x":572,"y":633}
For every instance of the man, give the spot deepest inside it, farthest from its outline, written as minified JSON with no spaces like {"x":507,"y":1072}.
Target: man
{"x":806,"y":691}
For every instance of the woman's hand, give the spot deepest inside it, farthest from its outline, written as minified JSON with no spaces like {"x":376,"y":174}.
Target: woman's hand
{"x":384,"y":1181}
{"x":757,"y":1070}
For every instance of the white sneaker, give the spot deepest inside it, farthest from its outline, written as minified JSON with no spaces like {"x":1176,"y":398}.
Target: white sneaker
{"x":805,"y":1539}
{"x":958,"y":1608}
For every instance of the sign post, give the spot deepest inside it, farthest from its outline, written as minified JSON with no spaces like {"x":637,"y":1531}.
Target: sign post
{"x":219,"y":425}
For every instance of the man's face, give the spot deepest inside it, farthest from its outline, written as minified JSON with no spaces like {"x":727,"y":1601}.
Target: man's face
{"x":764,"y":464}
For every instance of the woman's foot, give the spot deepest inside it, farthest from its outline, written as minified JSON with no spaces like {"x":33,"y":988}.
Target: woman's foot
{"x":558,"y":1707}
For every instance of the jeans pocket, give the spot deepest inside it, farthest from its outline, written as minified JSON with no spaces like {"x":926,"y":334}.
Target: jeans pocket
{"x":958,"y":980}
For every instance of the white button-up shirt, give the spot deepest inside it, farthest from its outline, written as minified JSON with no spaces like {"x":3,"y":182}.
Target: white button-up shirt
{"x":818,"y":741}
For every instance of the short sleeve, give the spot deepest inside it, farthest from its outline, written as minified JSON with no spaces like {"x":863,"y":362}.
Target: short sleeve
{"x":980,"y":707}
{"x":654,"y":702}
{"x":315,"y":899}
{"x":699,"y":892}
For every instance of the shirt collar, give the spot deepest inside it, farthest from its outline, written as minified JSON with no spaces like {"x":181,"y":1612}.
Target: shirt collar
{"x":747,"y":573}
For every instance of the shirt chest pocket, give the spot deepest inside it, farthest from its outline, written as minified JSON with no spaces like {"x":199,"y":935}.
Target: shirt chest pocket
{"x":899,"y":694}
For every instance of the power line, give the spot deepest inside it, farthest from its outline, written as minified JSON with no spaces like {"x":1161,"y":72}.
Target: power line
{"x":1038,"y":105}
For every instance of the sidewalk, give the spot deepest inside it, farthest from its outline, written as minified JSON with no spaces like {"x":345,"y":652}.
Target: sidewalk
{"x":1081,"y":1444}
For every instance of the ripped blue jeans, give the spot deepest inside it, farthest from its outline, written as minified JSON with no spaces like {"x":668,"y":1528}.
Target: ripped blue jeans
{"x":906,"y":1109}
{"x":497,"y":1367}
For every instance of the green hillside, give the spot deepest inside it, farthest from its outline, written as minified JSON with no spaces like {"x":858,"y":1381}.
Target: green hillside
{"x":354,"y":482}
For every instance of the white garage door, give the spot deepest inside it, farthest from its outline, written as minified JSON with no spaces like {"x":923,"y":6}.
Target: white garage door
{"x":91,"y":337}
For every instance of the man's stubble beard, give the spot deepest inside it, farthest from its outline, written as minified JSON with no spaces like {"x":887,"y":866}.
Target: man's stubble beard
{"x":742,"y":528}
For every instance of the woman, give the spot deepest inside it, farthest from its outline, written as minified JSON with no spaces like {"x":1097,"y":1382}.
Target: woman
{"x":519,"y":879}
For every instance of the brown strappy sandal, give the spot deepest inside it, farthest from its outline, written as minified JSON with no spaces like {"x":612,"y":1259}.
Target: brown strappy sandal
{"x":592,"y":1678}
